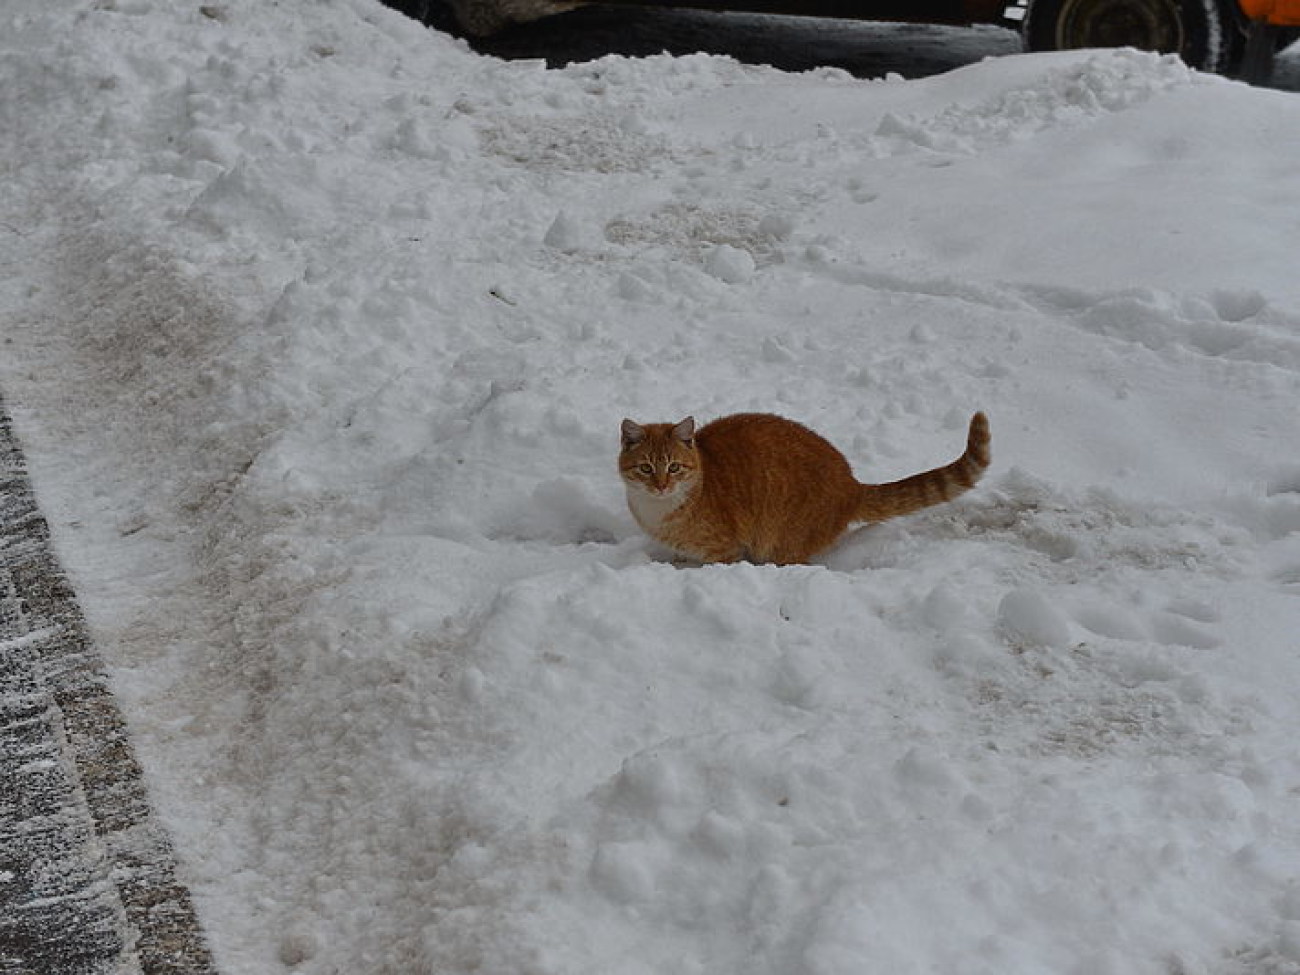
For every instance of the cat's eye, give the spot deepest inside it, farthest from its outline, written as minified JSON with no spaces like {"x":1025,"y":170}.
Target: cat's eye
{"x":674,"y":468}
{"x":646,"y":469}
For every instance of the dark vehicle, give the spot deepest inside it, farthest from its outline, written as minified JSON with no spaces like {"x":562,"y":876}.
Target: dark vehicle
{"x":1211,"y":35}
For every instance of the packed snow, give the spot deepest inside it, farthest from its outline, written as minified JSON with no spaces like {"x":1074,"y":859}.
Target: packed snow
{"x":318,"y":329}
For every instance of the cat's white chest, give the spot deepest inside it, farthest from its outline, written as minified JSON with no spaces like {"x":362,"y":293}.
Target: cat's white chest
{"x":650,"y":510}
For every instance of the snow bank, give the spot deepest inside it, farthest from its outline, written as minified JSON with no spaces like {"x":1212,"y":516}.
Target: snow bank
{"x":320,"y":333}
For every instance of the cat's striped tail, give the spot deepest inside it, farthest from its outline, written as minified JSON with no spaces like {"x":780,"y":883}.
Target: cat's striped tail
{"x":878,"y":502}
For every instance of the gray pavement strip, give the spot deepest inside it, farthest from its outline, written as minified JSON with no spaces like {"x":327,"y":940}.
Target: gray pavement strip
{"x":87,"y":874}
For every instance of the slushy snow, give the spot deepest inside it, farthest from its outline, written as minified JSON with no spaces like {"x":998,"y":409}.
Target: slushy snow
{"x":318,"y":329}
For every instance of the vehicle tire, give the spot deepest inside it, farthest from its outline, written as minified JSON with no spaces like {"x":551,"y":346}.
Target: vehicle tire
{"x":437,"y":14}
{"x":1196,"y":30}
{"x":1257,"y":59}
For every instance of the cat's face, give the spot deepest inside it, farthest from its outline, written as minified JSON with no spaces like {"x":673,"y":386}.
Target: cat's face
{"x":659,"y":458}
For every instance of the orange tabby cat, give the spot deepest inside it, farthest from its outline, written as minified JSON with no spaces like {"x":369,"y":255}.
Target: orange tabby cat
{"x":761,"y":487}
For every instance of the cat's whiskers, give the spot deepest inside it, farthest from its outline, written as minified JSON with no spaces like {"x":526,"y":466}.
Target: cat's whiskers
{"x":651,"y":507}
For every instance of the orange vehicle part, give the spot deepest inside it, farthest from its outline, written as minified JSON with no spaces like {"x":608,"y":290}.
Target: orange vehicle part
{"x":1281,"y":13}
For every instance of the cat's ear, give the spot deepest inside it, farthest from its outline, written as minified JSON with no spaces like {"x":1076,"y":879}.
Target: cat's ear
{"x":685,"y":431}
{"x":633,"y":434}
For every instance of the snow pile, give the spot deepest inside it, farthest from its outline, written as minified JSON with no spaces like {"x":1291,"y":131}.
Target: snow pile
{"x":319,"y":330}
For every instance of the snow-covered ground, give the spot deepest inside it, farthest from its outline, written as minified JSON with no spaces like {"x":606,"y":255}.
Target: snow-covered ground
{"x":318,"y":329}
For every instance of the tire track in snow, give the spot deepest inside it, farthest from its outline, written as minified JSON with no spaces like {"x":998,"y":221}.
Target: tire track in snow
{"x":87,"y":875}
